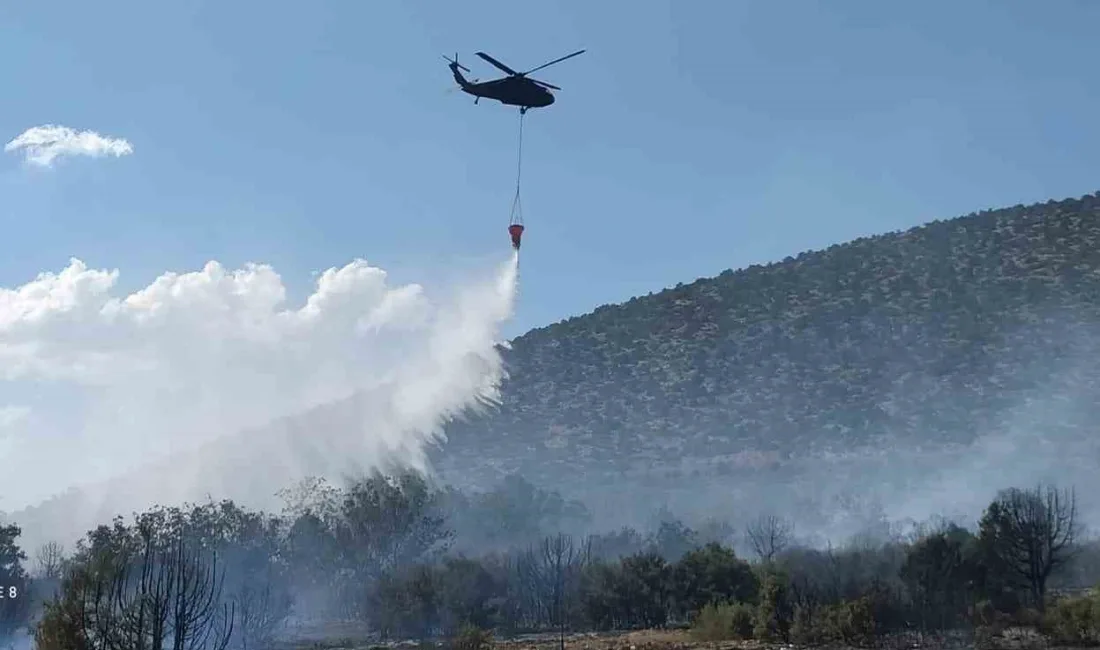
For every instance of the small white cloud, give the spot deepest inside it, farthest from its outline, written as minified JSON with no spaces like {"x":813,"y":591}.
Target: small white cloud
{"x":41,"y":145}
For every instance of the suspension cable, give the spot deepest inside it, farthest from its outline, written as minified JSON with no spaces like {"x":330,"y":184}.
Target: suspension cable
{"x":519,"y":157}
{"x":517,"y":209}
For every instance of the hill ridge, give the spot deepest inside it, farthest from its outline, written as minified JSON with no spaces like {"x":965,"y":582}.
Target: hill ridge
{"x":924,"y":337}
{"x":1086,"y":199}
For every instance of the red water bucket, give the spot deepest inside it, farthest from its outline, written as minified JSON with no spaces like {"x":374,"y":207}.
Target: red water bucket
{"x":516,"y":231}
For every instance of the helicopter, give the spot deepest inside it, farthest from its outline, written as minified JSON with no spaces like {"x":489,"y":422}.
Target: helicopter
{"x":517,"y":89}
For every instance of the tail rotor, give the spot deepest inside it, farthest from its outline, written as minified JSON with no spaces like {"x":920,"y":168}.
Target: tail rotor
{"x":463,"y":83}
{"x":454,"y":62}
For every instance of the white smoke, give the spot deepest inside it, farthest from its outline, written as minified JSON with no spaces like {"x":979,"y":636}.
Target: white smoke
{"x":94,"y":385}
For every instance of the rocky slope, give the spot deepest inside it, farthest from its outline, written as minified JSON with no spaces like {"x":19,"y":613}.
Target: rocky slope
{"x":927,"y":339}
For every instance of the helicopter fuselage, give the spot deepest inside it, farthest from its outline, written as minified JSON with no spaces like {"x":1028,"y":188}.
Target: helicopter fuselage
{"x":512,"y":92}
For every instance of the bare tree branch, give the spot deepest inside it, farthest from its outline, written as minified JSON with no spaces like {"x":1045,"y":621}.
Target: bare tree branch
{"x":768,"y":536}
{"x":48,"y":560}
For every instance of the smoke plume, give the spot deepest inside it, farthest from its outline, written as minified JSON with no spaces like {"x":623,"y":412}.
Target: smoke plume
{"x":208,"y":383}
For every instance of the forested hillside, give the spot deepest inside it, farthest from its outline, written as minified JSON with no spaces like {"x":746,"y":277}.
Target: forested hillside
{"x":925,"y":338}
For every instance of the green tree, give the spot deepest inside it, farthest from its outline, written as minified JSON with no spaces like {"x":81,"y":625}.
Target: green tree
{"x":601,"y":598}
{"x":514,"y":513}
{"x":617,"y":544}
{"x":469,"y":595}
{"x":381,"y":524}
{"x":634,"y":592}
{"x":390,"y":521}
{"x":711,"y":574}
{"x":15,"y":599}
{"x":939,"y":575}
{"x":405,"y":602}
{"x":646,"y":584}
{"x":62,"y":624}
{"x":672,"y":539}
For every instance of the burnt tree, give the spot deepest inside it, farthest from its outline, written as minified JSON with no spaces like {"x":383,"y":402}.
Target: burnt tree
{"x":1030,"y":534}
{"x":768,"y":536}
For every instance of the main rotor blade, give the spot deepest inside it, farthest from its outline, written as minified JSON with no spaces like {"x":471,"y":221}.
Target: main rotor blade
{"x":545,"y":65}
{"x":497,"y":63}
{"x":543,"y":83}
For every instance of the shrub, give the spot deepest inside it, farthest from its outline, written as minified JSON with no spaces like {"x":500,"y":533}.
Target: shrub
{"x":983,"y":613}
{"x":773,"y":611}
{"x":722,"y":622}
{"x":742,"y":621}
{"x":61,"y":625}
{"x":1028,"y":617}
{"x":804,"y":630}
{"x":471,"y":637}
{"x":851,"y":622}
{"x":857,"y":621}
{"x":1074,"y":620}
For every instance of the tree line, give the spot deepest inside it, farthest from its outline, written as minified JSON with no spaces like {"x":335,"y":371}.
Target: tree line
{"x":418,"y":562}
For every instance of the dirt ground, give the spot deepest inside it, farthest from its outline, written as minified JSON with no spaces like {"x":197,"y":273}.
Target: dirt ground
{"x":640,"y":640}
{"x":354,"y":637}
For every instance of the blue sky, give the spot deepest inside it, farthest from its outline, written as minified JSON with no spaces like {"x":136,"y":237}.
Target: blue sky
{"x":690,"y":138}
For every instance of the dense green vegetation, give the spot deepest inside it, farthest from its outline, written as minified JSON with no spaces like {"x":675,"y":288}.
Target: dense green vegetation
{"x":398,"y":554}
